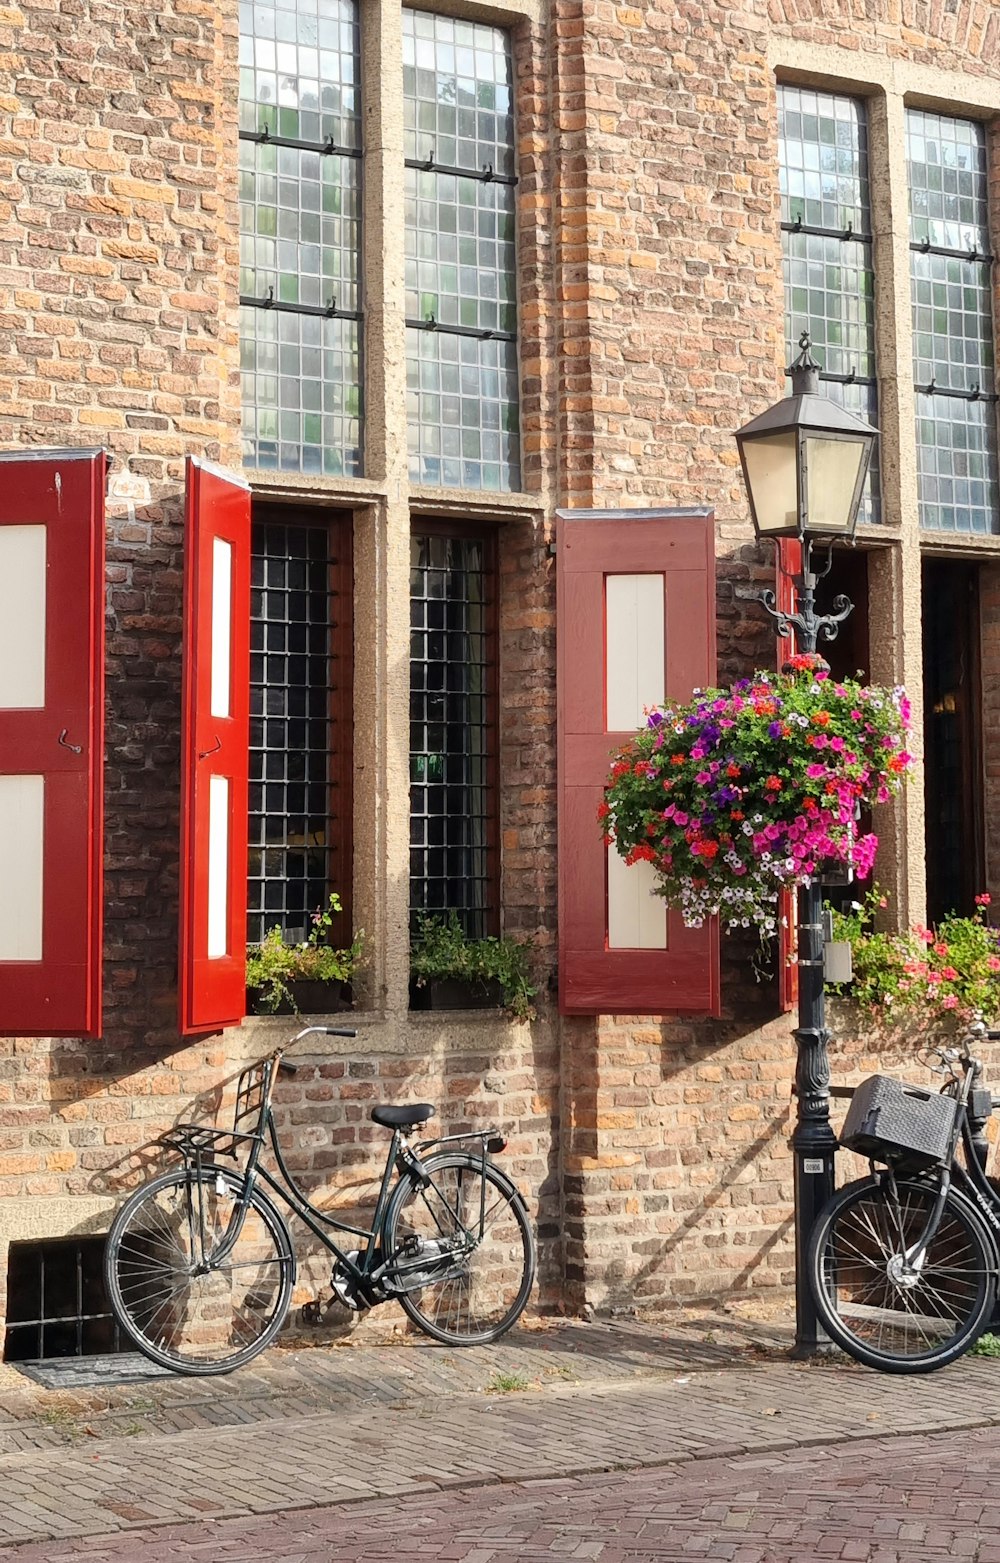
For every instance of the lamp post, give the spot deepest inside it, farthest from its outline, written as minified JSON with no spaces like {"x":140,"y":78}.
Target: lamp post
{"x":804,"y":464}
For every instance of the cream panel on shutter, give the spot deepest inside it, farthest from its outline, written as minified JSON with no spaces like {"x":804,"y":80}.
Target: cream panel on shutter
{"x":22,"y":618}
{"x":222,"y":619}
{"x":218,"y":866}
{"x":635,"y":679}
{"x":22,"y":806}
{"x":637,"y":919}
{"x":634,"y":624}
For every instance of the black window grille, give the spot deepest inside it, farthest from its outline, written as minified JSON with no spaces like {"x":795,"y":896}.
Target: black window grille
{"x":57,"y":1305}
{"x":300,"y":691}
{"x":453,"y":859}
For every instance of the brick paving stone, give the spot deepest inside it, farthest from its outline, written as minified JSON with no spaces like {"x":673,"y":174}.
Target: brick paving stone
{"x":323,"y":1442}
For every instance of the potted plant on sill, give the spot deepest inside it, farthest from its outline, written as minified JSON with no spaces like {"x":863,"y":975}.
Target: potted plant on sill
{"x":311,"y":977}
{"x":448,"y":970}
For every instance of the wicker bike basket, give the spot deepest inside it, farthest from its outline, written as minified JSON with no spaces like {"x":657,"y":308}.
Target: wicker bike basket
{"x":890,"y":1121}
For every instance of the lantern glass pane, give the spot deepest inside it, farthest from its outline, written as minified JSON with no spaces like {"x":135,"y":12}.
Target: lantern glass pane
{"x":831,"y":470}
{"x":771,"y":478}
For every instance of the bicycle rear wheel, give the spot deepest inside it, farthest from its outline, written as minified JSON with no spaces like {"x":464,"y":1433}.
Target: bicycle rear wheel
{"x":888,"y":1314}
{"x":462,"y":1247}
{"x":197,"y":1286}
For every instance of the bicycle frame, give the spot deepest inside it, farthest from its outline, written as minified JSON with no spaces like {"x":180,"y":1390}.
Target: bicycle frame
{"x":370,"y":1269}
{"x":970,"y":1177}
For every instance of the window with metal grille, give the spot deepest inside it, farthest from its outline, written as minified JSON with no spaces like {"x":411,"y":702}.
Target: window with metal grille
{"x":300,"y":721}
{"x":950,"y":281}
{"x":56,"y":1302}
{"x":461,"y":317}
{"x":826,"y":234}
{"x":300,"y":151}
{"x":453,"y":744}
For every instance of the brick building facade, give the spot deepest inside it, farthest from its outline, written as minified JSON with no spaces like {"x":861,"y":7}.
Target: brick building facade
{"x":645,"y":272}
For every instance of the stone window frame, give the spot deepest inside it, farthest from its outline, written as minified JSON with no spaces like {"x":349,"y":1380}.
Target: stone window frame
{"x":384,"y":501}
{"x":898,"y":544}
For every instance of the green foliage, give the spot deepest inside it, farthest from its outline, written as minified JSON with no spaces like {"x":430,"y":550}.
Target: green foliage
{"x":986,"y":1346}
{"x":743,"y":792}
{"x":273,"y":966}
{"x":507,"y":1383}
{"x":934,"y":975}
{"x":440,"y":948}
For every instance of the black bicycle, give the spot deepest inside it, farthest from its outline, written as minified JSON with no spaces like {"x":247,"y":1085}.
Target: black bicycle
{"x":200,"y":1265}
{"x":904,"y":1264}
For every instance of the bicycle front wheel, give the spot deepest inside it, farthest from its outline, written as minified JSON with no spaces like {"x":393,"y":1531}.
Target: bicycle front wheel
{"x":199,"y":1277}
{"x":461,"y":1251}
{"x":885,"y":1311}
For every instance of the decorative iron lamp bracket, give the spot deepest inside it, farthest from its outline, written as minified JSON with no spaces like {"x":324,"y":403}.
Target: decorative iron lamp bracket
{"x":812,"y":627}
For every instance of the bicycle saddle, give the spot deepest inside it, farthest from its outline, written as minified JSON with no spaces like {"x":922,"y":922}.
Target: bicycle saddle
{"x":402,"y":1117}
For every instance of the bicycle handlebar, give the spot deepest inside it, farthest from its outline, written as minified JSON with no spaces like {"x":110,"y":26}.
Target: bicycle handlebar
{"x":310,"y":1031}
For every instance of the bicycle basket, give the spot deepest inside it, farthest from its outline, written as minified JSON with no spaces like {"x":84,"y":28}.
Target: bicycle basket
{"x":251,"y":1089}
{"x":890,"y":1121}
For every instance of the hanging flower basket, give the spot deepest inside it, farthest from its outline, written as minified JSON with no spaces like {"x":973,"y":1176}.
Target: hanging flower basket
{"x":744,"y":792}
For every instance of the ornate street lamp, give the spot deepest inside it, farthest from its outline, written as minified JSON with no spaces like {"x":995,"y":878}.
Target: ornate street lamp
{"x":804,"y":464}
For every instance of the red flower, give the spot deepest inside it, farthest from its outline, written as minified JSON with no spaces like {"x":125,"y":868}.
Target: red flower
{"x":773,"y":784}
{"x":821,"y":718}
{"x":678,"y":759}
{"x":734,"y":770}
{"x":736,"y":814}
{"x":604,"y":809}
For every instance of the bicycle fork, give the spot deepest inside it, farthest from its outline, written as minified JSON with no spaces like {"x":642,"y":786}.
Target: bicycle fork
{"x":904,"y":1268}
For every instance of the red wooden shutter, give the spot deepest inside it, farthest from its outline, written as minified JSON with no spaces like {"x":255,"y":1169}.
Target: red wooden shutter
{"x":51,"y":741}
{"x":666,"y":560}
{"x":788,"y":564}
{"x":214,"y":750}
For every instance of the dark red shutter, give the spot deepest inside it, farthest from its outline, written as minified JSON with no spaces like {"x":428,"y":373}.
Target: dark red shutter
{"x":593,"y":545}
{"x":788,"y":564}
{"x":51,"y":741}
{"x":214,"y":745}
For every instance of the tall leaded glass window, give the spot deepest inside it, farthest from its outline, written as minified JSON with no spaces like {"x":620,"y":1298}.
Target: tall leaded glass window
{"x":827,"y":248}
{"x":950,"y":274}
{"x":300,"y":722}
{"x":461,"y":337}
{"x":300,"y":150}
{"x":453,"y":729}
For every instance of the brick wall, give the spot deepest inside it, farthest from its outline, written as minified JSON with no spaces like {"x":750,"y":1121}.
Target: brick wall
{"x":650,"y":315}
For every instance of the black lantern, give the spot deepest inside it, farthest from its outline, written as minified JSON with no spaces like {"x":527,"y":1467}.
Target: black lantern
{"x":805,"y":460}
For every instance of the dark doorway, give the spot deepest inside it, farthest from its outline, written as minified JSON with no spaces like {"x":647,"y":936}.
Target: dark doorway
{"x":952,"y":740}
{"x":848,"y":655}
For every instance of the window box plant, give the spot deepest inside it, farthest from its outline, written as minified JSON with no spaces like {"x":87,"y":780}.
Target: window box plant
{"x":926,"y":979}
{"x":448,"y":970}
{"x":309,"y":977}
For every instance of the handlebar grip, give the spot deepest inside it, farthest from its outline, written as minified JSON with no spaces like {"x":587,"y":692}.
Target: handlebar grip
{"x":846,"y":1091}
{"x":286,"y":1068}
{"x":993,"y":1036}
{"x":340,"y":1031}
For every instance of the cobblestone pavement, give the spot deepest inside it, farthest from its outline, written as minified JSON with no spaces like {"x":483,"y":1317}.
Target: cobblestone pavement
{"x":906,"y":1500}
{"x":299,"y":1431}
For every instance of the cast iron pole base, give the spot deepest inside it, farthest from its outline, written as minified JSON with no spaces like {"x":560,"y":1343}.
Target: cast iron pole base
{"x":813,"y":1141}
